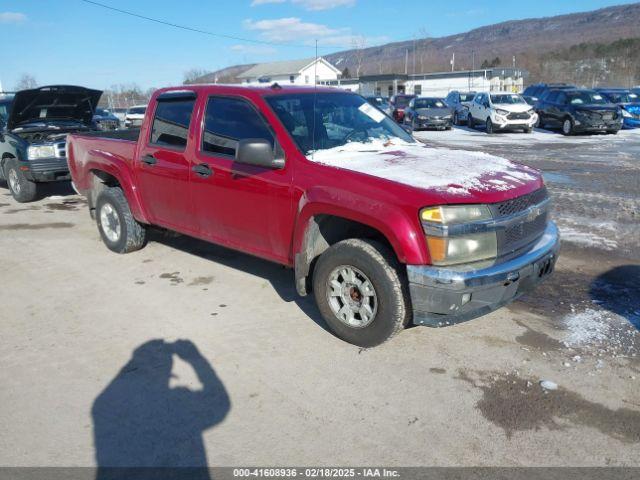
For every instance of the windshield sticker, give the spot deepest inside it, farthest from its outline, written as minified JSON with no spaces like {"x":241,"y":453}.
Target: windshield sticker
{"x":371,"y":112}
{"x":597,"y":97}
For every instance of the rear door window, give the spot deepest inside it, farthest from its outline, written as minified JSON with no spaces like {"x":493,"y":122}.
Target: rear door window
{"x":171,"y":123}
{"x":229,"y":120}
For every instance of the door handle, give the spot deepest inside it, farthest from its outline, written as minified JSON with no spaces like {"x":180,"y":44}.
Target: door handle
{"x":149,"y":160}
{"x":203,"y":169}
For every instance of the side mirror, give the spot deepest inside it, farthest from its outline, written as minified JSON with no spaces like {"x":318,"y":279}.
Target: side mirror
{"x":259,"y":152}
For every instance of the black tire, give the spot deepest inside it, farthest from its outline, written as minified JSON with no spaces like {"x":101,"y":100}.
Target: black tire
{"x":567,"y":128}
{"x":22,"y":189}
{"x":388,"y":279}
{"x":528,"y":130}
{"x":540,"y":121}
{"x":489,"y":126}
{"x":612,"y":132}
{"x":456,"y":119}
{"x":132,"y":235}
{"x":471,"y":123}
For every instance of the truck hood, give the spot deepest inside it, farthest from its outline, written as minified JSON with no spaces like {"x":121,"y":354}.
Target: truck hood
{"x":456,"y":176}
{"x":53,"y":103}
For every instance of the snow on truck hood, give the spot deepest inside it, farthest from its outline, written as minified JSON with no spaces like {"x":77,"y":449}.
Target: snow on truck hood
{"x":442,"y":170}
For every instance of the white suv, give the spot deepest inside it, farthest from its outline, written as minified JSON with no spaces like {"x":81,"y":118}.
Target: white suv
{"x":501,"y":112}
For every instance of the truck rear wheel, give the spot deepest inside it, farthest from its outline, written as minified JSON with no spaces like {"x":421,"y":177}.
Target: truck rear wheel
{"x":22,"y":189}
{"x":120,"y":232}
{"x":361,"y":292}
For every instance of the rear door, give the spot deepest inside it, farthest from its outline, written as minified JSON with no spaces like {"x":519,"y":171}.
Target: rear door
{"x":243,"y":206}
{"x":163,"y":169}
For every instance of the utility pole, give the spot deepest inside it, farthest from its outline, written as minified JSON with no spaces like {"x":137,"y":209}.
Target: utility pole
{"x":406,"y":62}
{"x":415,"y":42}
{"x":453,"y":62}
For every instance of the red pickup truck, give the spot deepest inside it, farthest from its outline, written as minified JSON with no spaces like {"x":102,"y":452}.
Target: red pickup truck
{"x":385,"y":231}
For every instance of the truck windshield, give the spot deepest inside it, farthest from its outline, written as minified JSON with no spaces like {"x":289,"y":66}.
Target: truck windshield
{"x":320,"y":121}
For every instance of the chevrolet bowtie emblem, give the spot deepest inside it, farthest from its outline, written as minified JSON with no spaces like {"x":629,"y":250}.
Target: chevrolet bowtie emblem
{"x":534,"y":213}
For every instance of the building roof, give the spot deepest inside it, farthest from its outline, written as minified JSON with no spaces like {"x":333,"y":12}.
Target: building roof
{"x":288,"y":67}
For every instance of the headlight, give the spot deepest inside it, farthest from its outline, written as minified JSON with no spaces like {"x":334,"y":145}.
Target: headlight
{"x":468,"y":248}
{"x":41,"y":151}
{"x":447,"y":117}
{"x":531,"y":111}
{"x":626,"y":114}
{"x":448,"y":215}
{"x":499,"y":111}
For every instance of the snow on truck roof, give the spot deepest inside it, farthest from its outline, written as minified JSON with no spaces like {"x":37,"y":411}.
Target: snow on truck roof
{"x":271,"y":88}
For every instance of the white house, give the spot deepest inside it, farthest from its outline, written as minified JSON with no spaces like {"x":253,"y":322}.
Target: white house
{"x":297,"y":72}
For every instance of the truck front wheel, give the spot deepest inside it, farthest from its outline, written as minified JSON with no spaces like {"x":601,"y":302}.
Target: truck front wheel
{"x":22,"y":189}
{"x":120,"y":232}
{"x":361,"y":291}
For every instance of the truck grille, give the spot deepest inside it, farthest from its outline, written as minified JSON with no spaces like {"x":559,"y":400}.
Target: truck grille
{"x":519,"y":204}
{"x":529,"y":229}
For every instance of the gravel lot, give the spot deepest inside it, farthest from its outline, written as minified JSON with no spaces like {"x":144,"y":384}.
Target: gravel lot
{"x":92,"y":370}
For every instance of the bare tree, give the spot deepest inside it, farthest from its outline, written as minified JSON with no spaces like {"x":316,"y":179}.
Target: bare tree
{"x":359,"y":44}
{"x":26,"y":82}
{"x":193,"y":75}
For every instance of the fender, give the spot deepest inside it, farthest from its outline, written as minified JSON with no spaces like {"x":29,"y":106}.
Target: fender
{"x":120,"y":169}
{"x":394,"y":223}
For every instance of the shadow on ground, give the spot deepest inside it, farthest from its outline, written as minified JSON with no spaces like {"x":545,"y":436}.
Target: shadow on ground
{"x":618,"y":290}
{"x":142,"y":426}
{"x":281,"y":278}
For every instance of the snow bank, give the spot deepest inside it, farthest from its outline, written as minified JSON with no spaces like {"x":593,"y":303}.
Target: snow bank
{"x":417,"y":165}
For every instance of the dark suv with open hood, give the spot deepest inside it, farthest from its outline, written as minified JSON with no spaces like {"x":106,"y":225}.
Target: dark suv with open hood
{"x":579,"y":111}
{"x":34,"y":132}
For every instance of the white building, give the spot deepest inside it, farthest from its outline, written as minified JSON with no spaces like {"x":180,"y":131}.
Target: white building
{"x":437,"y":84}
{"x":297,"y":72}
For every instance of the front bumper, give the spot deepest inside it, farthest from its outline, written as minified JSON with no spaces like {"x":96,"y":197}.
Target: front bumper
{"x":589,"y":125}
{"x":444,"y":296}
{"x":631,"y":123}
{"x":503,"y":123}
{"x":433,"y":123}
{"x":46,"y":169}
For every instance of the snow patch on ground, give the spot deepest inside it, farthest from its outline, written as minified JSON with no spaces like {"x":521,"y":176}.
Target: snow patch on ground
{"x":587,"y":239}
{"x":452,"y":171}
{"x":601,"y":332}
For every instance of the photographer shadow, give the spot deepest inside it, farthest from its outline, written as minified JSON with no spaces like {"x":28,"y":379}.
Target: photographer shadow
{"x":145,"y":429}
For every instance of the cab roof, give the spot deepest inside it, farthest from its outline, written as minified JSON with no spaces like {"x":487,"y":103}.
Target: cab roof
{"x":267,"y":89}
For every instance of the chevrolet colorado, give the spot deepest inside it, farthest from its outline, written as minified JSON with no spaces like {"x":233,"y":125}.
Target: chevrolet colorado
{"x":32,"y":135}
{"x":383,"y":230}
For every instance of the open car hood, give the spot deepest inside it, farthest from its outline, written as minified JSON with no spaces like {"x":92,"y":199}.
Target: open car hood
{"x":56,"y":102}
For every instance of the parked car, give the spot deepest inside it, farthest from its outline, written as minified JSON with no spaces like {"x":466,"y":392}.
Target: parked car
{"x":119,"y":113}
{"x":460,"y":102}
{"x":135,"y":116}
{"x":381,"y":102}
{"x":5,"y":107}
{"x":579,"y":111}
{"x":628,"y":101}
{"x":533,"y":93}
{"x":428,"y":112}
{"x":33,"y":135}
{"x":398,"y":104}
{"x":320,"y":181}
{"x":499,"y":112}
{"x":105,"y":120}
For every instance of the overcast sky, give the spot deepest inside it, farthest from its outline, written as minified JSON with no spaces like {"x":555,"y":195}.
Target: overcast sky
{"x":74,"y":42}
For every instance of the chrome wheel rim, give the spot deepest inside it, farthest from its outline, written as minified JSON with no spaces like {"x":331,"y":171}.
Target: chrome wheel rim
{"x":14,"y":183}
{"x":351,"y":297}
{"x":110,"y":222}
{"x":566,"y":126}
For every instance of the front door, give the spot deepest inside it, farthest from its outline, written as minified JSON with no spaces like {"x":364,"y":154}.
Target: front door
{"x":164,"y":169}
{"x":242,"y":206}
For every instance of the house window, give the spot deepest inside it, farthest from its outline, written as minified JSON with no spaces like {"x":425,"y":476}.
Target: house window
{"x":391,"y":90}
{"x":306,"y":79}
{"x":417,"y":90}
{"x":378,"y":91}
{"x":292,"y":79}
